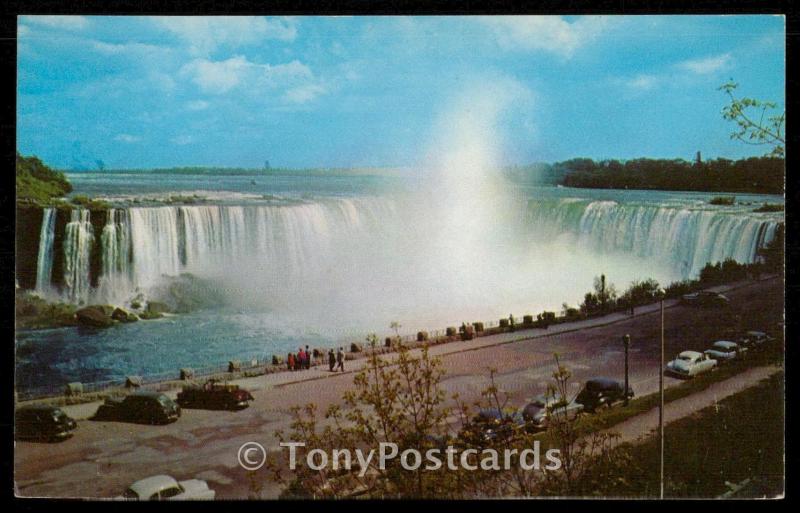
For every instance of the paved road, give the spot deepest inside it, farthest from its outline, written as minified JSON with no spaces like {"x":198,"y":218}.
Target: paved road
{"x":105,"y":457}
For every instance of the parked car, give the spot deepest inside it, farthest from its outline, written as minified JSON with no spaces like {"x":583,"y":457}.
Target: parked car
{"x":755,"y":339}
{"x":725,"y":350}
{"x":166,"y":488}
{"x":214,"y":396}
{"x":602,"y":392}
{"x":491,"y":425}
{"x":537,"y":413}
{"x":141,"y":407}
{"x":40,"y":422}
{"x":705,"y":298}
{"x":689,"y":364}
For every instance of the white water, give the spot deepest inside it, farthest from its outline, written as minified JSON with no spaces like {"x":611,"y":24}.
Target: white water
{"x":44,"y":264}
{"x":681,"y":237}
{"x":115,"y":283}
{"x":367,"y":256}
{"x":78,"y":241}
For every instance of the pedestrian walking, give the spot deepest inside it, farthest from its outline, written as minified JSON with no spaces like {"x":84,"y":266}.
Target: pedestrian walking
{"x":308,"y":358}
{"x":331,"y":360}
{"x":340,"y":359}
{"x":290,"y":361}
{"x":301,"y":359}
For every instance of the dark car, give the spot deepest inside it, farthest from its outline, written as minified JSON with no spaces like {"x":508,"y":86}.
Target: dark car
{"x":492,"y":425}
{"x":601,"y":392}
{"x":40,"y":422}
{"x":140,"y":407}
{"x":214,"y":396}
{"x":705,"y":298}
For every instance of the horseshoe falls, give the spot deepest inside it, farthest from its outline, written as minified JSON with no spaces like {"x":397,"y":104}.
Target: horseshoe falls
{"x":287,"y":248}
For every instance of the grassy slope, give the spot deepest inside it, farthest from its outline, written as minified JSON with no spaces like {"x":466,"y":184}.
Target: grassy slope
{"x":741,"y":437}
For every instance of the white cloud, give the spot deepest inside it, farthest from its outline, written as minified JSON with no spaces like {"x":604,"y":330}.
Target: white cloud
{"x":548,"y":33}
{"x":182,"y":139}
{"x":219,"y":77}
{"x":642,"y":82}
{"x":127,"y":48}
{"x":127,"y":138}
{"x":304,"y":93}
{"x":707,"y":65}
{"x":197,"y":105}
{"x":204,"y":34}
{"x":59,"y":22}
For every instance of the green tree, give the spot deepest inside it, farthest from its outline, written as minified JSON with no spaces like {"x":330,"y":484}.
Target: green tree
{"x":758,"y":122}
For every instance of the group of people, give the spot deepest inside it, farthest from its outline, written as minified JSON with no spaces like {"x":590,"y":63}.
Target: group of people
{"x":299,"y":361}
{"x":302,"y":360}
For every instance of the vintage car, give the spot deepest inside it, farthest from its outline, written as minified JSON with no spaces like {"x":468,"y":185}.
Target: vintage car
{"x":602,"y":392}
{"x":39,"y":422}
{"x":141,"y":407}
{"x":755,"y":339}
{"x":213,"y":395}
{"x":690,"y":363}
{"x":537,"y":413}
{"x":725,"y":350}
{"x":492,"y":425}
{"x":705,"y":298}
{"x":166,"y":488}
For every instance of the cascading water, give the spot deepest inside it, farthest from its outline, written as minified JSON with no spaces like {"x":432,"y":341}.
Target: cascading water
{"x":141,"y":246}
{"x":78,"y":243}
{"x":44,"y":263}
{"x":289,"y":248}
{"x":115,"y":282}
{"x":682,"y":237}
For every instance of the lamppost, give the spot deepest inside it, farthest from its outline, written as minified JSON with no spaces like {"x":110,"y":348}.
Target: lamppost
{"x":661,"y":392}
{"x":626,"y":341}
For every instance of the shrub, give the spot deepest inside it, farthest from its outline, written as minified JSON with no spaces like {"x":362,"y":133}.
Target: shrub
{"x":723,"y":200}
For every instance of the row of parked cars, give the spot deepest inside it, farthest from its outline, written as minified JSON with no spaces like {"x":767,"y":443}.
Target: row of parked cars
{"x":50,"y":423}
{"x":493,"y":424}
{"x":691,"y":363}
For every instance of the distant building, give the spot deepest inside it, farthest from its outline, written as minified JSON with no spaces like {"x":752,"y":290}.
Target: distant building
{"x":266,"y":164}
{"x":698,"y":159}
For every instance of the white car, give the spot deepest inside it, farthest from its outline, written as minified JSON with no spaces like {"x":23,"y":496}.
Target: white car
{"x":537,"y":412}
{"x":724,"y":350}
{"x":690,"y":363}
{"x":166,"y":488}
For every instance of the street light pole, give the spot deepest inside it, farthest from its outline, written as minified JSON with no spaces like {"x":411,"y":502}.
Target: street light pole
{"x":661,"y":405}
{"x":626,"y":341}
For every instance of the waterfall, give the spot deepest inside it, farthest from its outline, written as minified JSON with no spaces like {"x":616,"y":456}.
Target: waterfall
{"x":78,"y":242}
{"x":114,"y":284}
{"x":289,"y":241}
{"x":44,"y":263}
{"x":291,"y":247}
{"x":684,"y":238}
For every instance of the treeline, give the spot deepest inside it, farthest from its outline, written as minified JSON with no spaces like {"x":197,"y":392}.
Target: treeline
{"x":755,"y":175}
{"x":240,"y":171}
{"x":37,"y":182}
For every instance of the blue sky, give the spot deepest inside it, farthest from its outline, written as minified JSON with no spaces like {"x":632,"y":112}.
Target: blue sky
{"x":371,"y":91}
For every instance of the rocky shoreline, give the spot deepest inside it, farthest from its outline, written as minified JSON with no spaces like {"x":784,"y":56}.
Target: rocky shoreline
{"x":34,"y":312}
